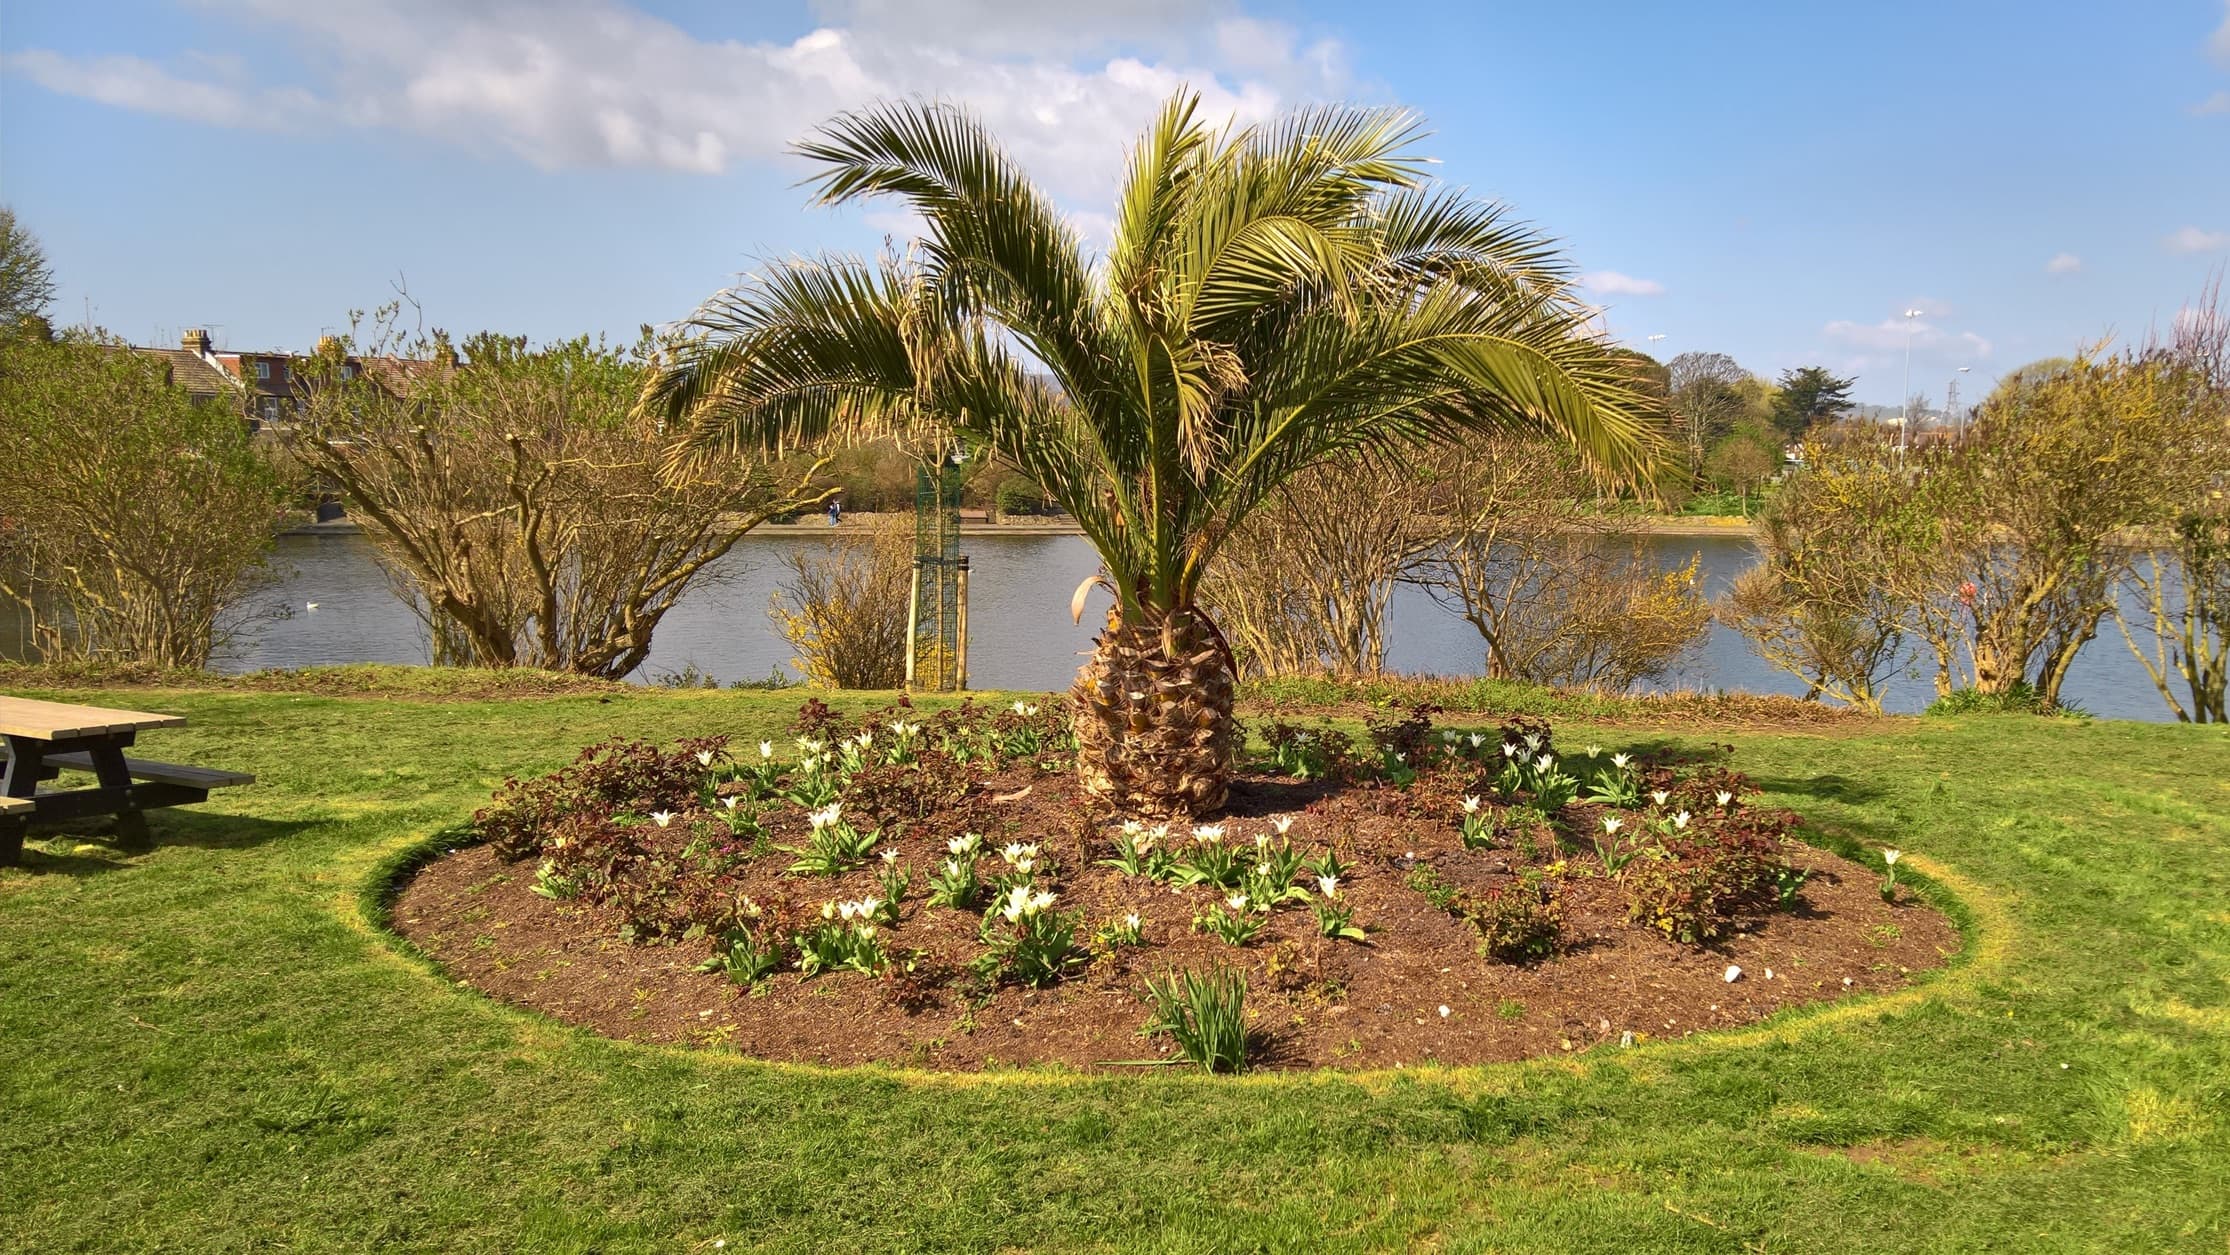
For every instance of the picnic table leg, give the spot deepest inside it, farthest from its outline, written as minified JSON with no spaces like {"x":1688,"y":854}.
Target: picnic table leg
{"x":131,"y":822}
{"x":21,"y":779}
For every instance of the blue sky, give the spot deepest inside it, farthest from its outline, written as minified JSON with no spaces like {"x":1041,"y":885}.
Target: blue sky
{"x":1775,"y":181}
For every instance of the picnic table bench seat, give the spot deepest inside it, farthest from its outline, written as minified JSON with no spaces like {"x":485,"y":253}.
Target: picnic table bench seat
{"x":161,"y":773}
{"x":42,"y":738}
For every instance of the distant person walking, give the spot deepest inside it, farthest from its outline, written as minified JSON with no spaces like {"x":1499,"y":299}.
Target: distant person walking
{"x":836,"y":511}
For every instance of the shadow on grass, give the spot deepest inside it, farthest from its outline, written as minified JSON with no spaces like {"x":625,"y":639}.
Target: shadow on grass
{"x":89,"y":847}
{"x":1826,"y":788}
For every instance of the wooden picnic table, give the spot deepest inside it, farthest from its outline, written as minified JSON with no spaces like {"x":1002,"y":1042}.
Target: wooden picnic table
{"x":43,"y":738}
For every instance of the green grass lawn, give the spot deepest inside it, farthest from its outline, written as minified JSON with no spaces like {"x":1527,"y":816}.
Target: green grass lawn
{"x":214,"y":1046}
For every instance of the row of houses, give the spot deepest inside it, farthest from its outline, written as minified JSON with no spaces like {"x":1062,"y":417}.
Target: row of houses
{"x":263,"y":384}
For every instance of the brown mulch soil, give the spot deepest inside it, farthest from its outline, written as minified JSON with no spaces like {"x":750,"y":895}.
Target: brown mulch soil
{"x":1418,"y":991}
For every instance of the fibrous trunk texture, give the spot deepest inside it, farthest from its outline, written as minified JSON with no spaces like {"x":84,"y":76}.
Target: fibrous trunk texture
{"x":1155,"y":733}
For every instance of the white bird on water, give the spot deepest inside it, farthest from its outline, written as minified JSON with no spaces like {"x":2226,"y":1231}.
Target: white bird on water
{"x":313,"y":605}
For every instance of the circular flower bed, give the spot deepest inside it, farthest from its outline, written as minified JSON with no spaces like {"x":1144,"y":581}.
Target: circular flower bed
{"x":932,"y":889}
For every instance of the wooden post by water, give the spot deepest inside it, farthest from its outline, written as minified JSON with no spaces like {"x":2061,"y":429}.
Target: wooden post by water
{"x":913,"y":622}
{"x":960,"y":649}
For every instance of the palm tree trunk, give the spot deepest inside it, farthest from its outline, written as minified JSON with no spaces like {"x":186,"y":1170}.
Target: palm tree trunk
{"x":1155,"y":732}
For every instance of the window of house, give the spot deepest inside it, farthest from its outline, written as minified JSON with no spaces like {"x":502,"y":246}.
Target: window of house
{"x":263,"y":370}
{"x":270,"y":409}
{"x":348,"y":370}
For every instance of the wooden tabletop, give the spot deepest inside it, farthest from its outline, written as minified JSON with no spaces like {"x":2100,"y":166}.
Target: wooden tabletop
{"x":55,"y":721}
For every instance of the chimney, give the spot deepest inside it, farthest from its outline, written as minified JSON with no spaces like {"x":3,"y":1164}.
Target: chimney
{"x":196,"y":342}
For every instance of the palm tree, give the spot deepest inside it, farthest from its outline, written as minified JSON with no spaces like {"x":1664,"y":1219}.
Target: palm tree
{"x":1273,"y":296}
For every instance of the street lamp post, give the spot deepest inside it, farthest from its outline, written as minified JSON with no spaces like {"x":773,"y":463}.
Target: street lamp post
{"x":1905,"y":407}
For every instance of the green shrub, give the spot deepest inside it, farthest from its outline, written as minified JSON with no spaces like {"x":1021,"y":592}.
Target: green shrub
{"x":1729,"y":863}
{"x":1018,"y":494}
{"x":1520,"y":922}
{"x":2021,"y":699}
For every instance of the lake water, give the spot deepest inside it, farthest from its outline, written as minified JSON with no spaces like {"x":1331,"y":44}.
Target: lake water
{"x":1020,"y":633}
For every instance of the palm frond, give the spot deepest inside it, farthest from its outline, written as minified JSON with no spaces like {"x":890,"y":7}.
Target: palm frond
{"x":1273,"y":295}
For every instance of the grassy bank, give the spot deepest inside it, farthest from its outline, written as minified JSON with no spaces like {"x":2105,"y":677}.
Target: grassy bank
{"x":212,"y":1046}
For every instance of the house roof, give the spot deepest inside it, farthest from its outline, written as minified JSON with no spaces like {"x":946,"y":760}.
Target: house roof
{"x":194,"y":374}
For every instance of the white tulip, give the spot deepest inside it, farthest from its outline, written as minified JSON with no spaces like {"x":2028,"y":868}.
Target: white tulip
{"x":662,"y":818}
{"x":1723,"y":797}
{"x":1658,"y":796}
{"x":1622,"y":761}
{"x":1891,"y":856}
{"x":1237,"y":901}
{"x":704,"y":758}
{"x":1680,"y":822}
{"x":730,"y":801}
{"x":1283,"y":823}
{"x":766,"y":749}
{"x":1471,"y":805}
{"x":1329,"y":886}
{"x":1612,"y":823}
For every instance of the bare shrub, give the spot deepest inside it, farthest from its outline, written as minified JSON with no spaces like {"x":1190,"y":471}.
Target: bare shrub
{"x":134,"y":523}
{"x":1560,"y":591}
{"x":518,"y":500}
{"x":1849,"y":551}
{"x":1305,"y":584}
{"x":844,"y":607}
{"x":2183,"y":583}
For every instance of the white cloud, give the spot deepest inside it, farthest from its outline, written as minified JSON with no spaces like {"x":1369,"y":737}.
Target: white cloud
{"x":2217,"y":103}
{"x":2194,"y":240}
{"x":133,"y":83}
{"x":2063,"y":264}
{"x":899,"y":224}
{"x":2218,"y":46}
{"x":1886,"y":339}
{"x":1020,"y":27}
{"x":572,"y":83}
{"x":1612,"y":283}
